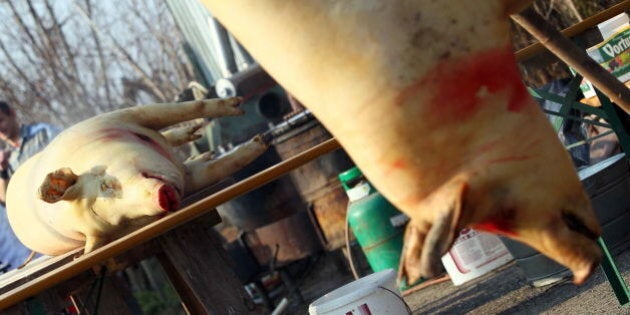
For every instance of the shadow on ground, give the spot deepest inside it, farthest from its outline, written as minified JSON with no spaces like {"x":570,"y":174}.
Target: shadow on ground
{"x":506,"y":291}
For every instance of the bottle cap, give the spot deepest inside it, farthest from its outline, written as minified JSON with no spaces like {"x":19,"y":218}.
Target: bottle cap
{"x":349,"y":176}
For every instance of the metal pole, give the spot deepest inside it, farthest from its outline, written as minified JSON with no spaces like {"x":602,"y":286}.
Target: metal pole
{"x":223,"y":49}
{"x":612,"y":274}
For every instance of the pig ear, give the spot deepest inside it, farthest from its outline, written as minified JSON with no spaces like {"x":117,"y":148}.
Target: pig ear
{"x":428,"y":239}
{"x":59,"y":185}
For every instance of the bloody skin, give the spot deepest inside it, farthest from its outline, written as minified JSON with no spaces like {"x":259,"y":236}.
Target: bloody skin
{"x":461,"y":80}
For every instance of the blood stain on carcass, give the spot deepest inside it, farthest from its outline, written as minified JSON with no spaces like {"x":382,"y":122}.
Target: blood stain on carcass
{"x":455,"y":85}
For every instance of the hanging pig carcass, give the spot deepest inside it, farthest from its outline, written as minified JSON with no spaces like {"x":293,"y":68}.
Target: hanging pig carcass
{"x":426,"y":98}
{"x":111,"y":174}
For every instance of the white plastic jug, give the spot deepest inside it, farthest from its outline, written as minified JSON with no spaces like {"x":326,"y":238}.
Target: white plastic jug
{"x":373,"y":294}
{"x":474,"y":254}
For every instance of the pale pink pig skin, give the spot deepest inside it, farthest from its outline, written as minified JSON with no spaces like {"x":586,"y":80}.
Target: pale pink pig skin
{"x":109,"y":175}
{"x":426,"y":98}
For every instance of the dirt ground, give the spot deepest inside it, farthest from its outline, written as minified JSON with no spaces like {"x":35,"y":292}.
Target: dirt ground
{"x":503,"y":291}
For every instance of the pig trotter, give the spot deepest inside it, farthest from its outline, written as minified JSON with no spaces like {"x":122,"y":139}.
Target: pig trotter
{"x":159,"y":116}
{"x":27,"y":260}
{"x":56,"y":184}
{"x":429,"y":238}
{"x":181,"y":135}
{"x":206,"y":156}
{"x":93,"y":242}
{"x":410,"y":261}
{"x":221,"y":107}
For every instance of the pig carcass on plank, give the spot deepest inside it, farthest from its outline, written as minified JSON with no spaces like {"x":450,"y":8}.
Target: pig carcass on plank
{"x":426,"y":98}
{"x":111,"y":174}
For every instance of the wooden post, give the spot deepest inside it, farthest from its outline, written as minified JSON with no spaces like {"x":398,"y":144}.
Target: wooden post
{"x":200,"y":269}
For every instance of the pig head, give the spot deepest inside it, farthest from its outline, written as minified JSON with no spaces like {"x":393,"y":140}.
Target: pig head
{"x":426,"y":98}
{"x":106,"y":176}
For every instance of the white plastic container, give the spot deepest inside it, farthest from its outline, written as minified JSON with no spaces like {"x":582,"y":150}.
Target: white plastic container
{"x":373,"y":294}
{"x":613,"y":26}
{"x":474,"y":254}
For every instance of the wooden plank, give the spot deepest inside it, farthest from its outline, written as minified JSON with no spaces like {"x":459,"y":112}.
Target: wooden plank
{"x":33,"y":270}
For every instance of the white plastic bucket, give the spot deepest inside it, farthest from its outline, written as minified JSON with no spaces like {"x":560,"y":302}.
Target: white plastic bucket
{"x":473,"y":255}
{"x":373,"y":294}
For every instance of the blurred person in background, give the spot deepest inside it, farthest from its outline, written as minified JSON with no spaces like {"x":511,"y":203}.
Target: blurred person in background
{"x":20,"y":141}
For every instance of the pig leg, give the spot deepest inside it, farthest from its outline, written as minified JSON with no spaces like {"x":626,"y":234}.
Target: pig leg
{"x":429,"y":237}
{"x":180,"y":135}
{"x":27,"y":260}
{"x":93,"y":242}
{"x":158,"y":116}
{"x":203,"y":171}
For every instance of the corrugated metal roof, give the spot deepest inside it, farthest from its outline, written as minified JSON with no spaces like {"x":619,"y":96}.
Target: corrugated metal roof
{"x":196,"y":24}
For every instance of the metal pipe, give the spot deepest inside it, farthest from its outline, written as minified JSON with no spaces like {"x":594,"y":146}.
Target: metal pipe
{"x":248,"y":60}
{"x":247,"y":83}
{"x":171,"y":221}
{"x":575,"y":57}
{"x":223,"y":50}
{"x":291,"y":123}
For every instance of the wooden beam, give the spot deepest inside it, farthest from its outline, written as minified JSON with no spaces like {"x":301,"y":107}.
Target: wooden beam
{"x":576,"y":29}
{"x":574,"y":57}
{"x":201,"y":270}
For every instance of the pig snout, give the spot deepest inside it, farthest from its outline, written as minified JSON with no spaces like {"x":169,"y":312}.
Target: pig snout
{"x":168,"y":195}
{"x":168,"y":198}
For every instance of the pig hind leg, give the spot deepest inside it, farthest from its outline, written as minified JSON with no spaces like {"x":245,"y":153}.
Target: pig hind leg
{"x":203,"y":170}
{"x":180,"y":135}
{"x":431,"y":231}
{"x":159,"y":116}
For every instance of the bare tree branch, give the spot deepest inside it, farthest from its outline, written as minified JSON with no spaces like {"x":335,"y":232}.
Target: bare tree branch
{"x":71,"y":65}
{"x":127,"y":57}
{"x":19,"y":71}
{"x":70,"y":61}
{"x":101,"y":56}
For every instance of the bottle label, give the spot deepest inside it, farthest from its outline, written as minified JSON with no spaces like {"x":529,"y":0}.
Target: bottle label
{"x":399,"y":220}
{"x":473,"y":250}
{"x":359,"y":191}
